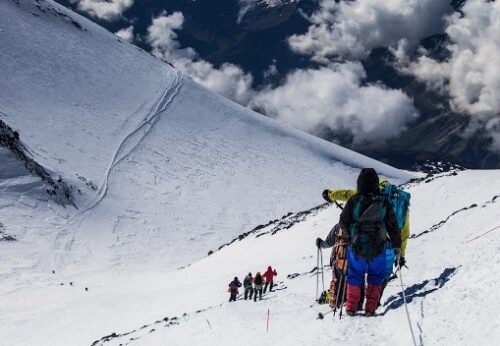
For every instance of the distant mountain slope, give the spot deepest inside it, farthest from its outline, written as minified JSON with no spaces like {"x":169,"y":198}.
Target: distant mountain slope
{"x":161,"y":169}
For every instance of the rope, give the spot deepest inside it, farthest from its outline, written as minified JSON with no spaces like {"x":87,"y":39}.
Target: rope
{"x":406,"y":307}
{"x":479,"y":236}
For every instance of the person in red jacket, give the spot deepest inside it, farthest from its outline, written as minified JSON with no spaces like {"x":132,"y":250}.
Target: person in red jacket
{"x":269,"y":275}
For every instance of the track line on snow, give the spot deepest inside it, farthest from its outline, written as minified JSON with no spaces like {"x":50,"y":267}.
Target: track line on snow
{"x":120,"y":153}
{"x":147,"y":124}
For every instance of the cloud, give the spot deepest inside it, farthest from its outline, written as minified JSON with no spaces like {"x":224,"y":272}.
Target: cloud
{"x":163,"y":38}
{"x":333,"y":97}
{"x":228,"y":80}
{"x":245,"y":6}
{"x":127,"y":33}
{"x":248,"y":5}
{"x":105,"y":9}
{"x":471,"y":76}
{"x":352,"y":29}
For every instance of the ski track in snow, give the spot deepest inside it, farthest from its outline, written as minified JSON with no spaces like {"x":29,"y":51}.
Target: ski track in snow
{"x":147,"y":124}
{"x":119,"y":155}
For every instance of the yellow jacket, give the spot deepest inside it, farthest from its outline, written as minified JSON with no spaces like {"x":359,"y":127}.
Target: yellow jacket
{"x":344,"y":195}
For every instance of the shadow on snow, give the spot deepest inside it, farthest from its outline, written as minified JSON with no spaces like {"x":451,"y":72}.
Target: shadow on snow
{"x":419,"y":290}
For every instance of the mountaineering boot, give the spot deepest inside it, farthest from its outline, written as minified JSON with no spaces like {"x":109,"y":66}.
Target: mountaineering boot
{"x":373,"y":293}
{"x":350,"y":313}
{"x":353,"y":296}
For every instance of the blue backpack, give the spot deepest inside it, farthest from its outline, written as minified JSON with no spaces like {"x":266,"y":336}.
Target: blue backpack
{"x":400,"y":201}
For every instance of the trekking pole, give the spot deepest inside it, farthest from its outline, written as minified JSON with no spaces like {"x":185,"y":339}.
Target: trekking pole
{"x":338,"y":205}
{"x":317,"y":273}
{"x":267,"y":326}
{"x":344,"y":288}
{"x":406,"y":307}
{"x":341,"y":281}
{"x":322,"y":269}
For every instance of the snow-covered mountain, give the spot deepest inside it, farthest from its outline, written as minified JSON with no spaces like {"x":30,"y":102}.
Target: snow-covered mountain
{"x":146,"y":150}
{"x":116,"y":169}
{"x":161,"y":170}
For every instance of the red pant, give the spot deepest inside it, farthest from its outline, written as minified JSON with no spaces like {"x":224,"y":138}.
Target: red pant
{"x":373,"y":293}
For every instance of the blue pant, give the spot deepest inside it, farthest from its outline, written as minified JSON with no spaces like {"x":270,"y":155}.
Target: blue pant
{"x":358,"y":267}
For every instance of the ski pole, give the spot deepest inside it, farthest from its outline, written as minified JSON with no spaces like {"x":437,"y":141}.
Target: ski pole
{"x":406,"y":307}
{"x":267,"y":326}
{"x":341,"y":281}
{"x":317,"y":273}
{"x":344,"y":288}
{"x":342,"y":299}
{"x":322,"y":269}
{"x":338,"y":205}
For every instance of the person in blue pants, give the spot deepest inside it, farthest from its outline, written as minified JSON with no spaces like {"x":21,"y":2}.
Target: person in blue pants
{"x":371,"y":222}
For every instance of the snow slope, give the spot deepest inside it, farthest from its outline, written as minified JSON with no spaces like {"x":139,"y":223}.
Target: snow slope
{"x":453,"y":270}
{"x":162,"y":170}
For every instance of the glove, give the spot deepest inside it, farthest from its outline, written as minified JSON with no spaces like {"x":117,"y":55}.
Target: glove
{"x":399,"y":262}
{"x":325,"y":196}
{"x":402,"y":262}
{"x":397,"y":251}
{"x":318,"y":242}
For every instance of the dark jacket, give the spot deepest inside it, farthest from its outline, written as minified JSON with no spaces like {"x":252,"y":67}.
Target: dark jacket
{"x":248,"y":281}
{"x":346,"y":220}
{"x":233,"y":285}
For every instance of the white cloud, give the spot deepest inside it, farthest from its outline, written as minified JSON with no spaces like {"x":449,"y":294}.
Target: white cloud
{"x":248,"y":5}
{"x":245,"y":6}
{"x":331,"y":97}
{"x":105,"y":9}
{"x":334,"y":97}
{"x":127,"y":33}
{"x":271,"y":70}
{"x":163,"y":38}
{"x":471,"y":76}
{"x":353,"y":28}
{"x":229,"y":80}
